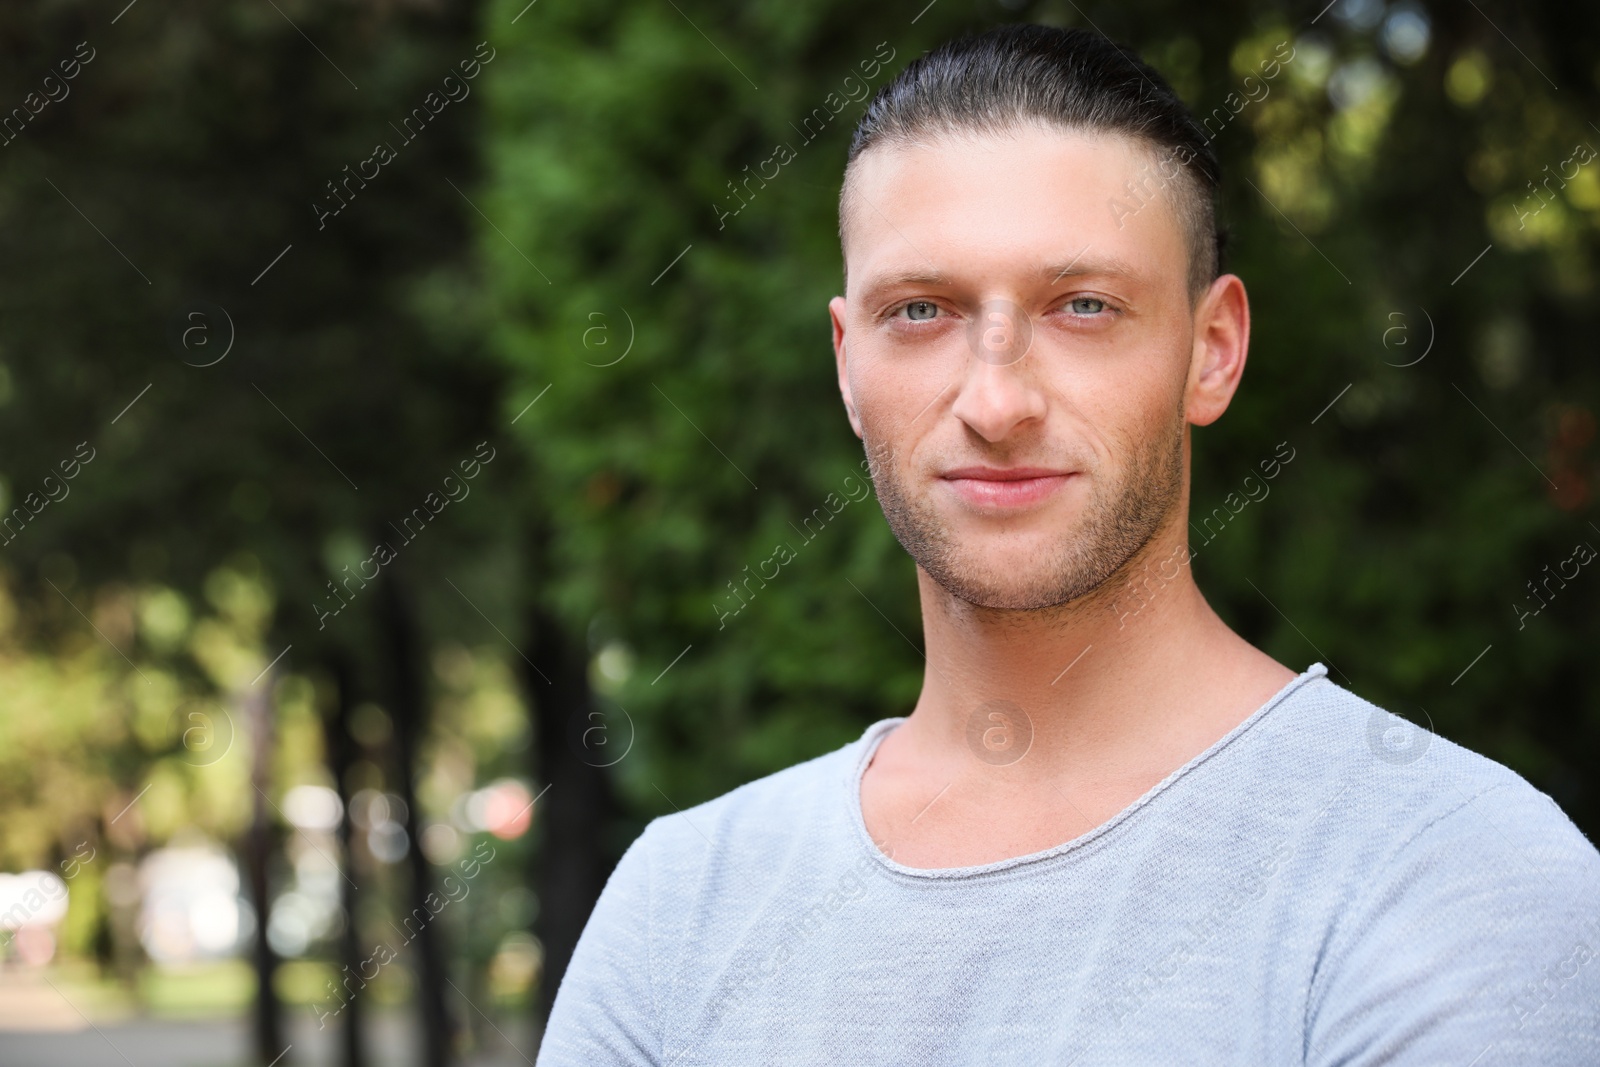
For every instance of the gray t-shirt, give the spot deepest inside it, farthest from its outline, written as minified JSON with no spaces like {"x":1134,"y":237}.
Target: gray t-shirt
{"x":1324,"y":885}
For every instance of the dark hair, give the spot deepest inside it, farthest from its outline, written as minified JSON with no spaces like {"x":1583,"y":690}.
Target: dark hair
{"x":1075,"y":79}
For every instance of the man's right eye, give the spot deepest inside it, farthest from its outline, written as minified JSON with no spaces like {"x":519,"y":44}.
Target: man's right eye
{"x":921,"y":310}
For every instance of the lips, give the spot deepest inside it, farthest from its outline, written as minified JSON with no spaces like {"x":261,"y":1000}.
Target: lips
{"x":1005,"y":487}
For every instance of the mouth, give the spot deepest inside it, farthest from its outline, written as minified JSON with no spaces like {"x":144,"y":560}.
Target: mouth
{"x":1005,"y":487}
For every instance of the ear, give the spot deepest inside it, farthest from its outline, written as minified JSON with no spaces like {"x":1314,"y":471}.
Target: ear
{"x":836,"y":312}
{"x":1221,"y":342}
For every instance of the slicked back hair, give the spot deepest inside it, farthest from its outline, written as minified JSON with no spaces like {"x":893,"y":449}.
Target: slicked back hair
{"x":1074,"y":80}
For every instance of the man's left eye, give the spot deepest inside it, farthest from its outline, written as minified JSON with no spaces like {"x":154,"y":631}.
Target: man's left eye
{"x":1087,"y":305}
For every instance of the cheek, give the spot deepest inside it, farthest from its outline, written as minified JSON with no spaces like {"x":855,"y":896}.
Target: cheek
{"x":881,"y":412}
{"x":896,"y":390}
{"x":1123,"y":407}
{"x":1161,"y":408}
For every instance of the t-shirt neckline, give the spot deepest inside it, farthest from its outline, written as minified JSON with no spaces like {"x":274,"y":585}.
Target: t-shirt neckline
{"x":874,"y":735}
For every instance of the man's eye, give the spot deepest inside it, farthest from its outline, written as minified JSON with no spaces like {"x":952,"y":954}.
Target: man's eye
{"x":1087,"y":305}
{"x":921,"y":310}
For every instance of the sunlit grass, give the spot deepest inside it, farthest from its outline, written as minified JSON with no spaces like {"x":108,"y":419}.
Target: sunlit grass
{"x":224,"y":987}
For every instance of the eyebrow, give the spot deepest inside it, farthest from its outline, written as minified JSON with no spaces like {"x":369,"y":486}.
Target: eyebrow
{"x":1072,"y":268}
{"x":1078,"y":266}
{"x":904,"y":277}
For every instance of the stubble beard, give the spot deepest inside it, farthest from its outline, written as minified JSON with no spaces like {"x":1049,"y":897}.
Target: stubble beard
{"x":1117,"y":522}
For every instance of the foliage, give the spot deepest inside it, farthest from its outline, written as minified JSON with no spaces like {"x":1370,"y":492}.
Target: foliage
{"x":610,"y":265}
{"x":1357,"y":190}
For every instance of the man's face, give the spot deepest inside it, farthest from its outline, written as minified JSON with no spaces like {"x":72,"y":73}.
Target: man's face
{"x":1003,"y":319}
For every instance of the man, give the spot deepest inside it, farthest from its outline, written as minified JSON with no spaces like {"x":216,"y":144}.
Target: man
{"x":1110,"y":831}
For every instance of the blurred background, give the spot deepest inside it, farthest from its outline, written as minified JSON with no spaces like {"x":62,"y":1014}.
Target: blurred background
{"x":401,"y":401}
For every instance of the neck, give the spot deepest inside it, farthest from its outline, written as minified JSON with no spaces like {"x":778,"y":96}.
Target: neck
{"x":1098,"y":681}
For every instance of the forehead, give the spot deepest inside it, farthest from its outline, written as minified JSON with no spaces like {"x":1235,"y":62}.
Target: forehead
{"x":965,"y":205}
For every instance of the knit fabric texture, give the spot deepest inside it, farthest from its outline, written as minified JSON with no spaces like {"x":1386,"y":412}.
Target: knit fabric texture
{"x":1325,"y":885}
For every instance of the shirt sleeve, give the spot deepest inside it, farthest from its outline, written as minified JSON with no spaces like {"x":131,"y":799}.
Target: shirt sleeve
{"x":605,"y":1013}
{"x":1475,"y":945}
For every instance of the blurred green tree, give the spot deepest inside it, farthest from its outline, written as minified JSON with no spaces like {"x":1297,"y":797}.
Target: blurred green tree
{"x":674,"y":538}
{"x":206,"y":281}
{"x":660,"y":242}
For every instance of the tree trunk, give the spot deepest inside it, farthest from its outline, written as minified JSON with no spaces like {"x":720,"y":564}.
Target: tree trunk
{"x":408,"y":705}
{"x":256,"y":705}
{"x":572,"y":863}
{"x":341,"y":754}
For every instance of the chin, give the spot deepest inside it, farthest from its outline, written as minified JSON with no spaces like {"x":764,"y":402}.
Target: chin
{"x":1009,"y":583}
{"x":1010,"y":596}
{"x":1031,"y":570}
{"x":1031,"y":559}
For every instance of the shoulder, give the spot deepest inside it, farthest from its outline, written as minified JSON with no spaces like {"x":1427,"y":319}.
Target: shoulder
{"x":1398,"y":776}
{"x":1461,"y":902}
{"x":766,"y":815}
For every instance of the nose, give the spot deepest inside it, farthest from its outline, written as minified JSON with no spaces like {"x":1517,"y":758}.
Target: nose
{"x":999,"y":390}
